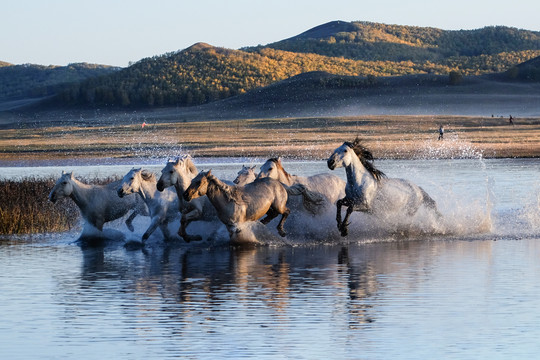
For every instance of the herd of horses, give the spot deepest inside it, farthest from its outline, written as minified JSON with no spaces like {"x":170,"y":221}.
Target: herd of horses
{"x":182,"y":191}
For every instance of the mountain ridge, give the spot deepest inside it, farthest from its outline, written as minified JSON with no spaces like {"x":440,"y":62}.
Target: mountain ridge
{"x":203,"y":73}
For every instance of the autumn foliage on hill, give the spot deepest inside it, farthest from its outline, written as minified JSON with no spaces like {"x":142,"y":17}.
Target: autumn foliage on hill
{"x":203,"y":73}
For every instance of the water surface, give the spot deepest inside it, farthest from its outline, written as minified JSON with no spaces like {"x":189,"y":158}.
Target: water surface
{"x":473,"y":293}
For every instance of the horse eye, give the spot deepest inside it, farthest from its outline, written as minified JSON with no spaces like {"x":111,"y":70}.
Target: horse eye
{"x":64,"y":183}
{"x":171,"y":172}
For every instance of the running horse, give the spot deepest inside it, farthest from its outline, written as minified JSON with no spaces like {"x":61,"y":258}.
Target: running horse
{"x":236,"y":205}
{"x":163,"y":206}
{"x":369,"y":190}
{"x":246,"y":175}
{"x":179,"y":174}
{"x":98,"y":203}
{"x":329,"y":186}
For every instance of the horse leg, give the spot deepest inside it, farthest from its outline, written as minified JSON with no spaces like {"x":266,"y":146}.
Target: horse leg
{"x":184,"y":222}
{"x":165,"y":230}
{"x":270,"y":215}
{"x":339,"y":204}
{"x":284,"y":216}
{"x":153,"y":226}
{"x":344,"y":225}
{"x":129,"y":220}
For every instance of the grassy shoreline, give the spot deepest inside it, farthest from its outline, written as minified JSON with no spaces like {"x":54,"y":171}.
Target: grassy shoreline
{"x":395,"y":137}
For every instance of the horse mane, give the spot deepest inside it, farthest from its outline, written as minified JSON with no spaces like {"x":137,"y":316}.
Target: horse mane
{"x":148,"y":176}
{"x":277,"y":161}
{"x":366,"y":158}
{"x":190,"y":165}
{"x":231,"y":193}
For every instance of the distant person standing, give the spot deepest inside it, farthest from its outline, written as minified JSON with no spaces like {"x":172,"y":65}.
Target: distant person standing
{"x":511,"y":120}
{"x":441,"y":132}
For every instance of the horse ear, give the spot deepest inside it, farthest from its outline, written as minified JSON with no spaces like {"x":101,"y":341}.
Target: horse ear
{"x":71,"y":175}
{"x":253,"y":167}
{"x":279,"y":159}
{"x":177,"y":161}
{"x":356,"y":141}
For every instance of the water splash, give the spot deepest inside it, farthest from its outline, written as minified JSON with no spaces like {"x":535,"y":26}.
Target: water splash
{"x":452,"y":147}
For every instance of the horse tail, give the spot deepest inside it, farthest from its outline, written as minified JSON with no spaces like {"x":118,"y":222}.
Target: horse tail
{"x":430,"y":203}
{"x":312,"y":200}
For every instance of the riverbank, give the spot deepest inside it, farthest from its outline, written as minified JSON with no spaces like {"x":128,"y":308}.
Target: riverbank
{"x":391,"y":137}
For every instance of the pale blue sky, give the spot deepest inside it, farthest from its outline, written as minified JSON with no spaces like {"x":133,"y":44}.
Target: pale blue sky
{"x":115,"y":32}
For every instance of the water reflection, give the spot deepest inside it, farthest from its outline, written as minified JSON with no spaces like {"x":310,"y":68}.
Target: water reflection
{"x":424,"y":298}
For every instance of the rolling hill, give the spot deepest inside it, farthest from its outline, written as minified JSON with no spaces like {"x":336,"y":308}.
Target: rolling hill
{"x":355,"y":54}
{"x":24,"y":82}
{"x":382,"y":42}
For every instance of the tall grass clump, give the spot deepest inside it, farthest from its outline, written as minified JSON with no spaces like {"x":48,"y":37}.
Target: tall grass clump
{"x":25,"y":209}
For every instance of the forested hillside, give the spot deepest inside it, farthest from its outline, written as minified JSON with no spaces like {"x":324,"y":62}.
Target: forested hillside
{"x":374,"y":41}
{"x":21,"y":81}
{"x":203,"y":73}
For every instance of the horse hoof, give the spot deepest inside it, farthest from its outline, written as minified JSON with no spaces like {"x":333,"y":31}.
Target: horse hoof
{"x":130,"y":227}
{"x":282,"y":233}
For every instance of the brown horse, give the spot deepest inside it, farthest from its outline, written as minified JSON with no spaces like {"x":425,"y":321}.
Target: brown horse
{"x":238,"y":204}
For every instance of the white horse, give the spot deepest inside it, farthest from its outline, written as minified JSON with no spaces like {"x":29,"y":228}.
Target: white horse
{"x":369,"y":190}
{"x":246,"y":175}
{"x":179,"y":174}
{"x":163,"y":206}
{"x":98,"y":203}
{"x":331,"y":187}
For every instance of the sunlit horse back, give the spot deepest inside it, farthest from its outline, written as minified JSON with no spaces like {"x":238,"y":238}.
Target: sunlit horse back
{"x":329,"y":186}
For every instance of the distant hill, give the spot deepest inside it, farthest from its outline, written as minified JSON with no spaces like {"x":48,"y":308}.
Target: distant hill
{"x":202,"y":73}
{"x":23,"y":81}
{"x":355,"y":52}
{"x":381,"y":42}
{"x":527,"y":71}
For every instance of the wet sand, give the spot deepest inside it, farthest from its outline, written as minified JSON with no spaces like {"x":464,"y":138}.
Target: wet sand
{"x":396,"y":137}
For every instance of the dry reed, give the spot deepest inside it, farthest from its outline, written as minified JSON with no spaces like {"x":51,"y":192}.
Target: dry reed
{"x":25,"y":208}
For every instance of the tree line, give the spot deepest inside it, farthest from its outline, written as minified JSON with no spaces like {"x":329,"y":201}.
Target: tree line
{"x":203,"y":73}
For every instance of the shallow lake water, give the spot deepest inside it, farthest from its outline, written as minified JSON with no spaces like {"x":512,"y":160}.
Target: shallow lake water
{"x":470,"y":291}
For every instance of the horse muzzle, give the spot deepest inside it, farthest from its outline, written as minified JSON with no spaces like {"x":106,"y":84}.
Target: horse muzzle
{"x":331,"y":164}
{"x":121,"y":192}
{"x":188,"y":195}
{"x":160,"y":187}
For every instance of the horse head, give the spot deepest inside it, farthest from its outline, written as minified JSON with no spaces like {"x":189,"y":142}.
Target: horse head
{"x":341,"y":157}
{"x":62,"y":188}
{"x":131,"y":183}
{"x":198,"y":186}
{"x":272,"y":168}
{"x":344,"y":156}
{"x":178,"y":172}
{"x":246,"y":175}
